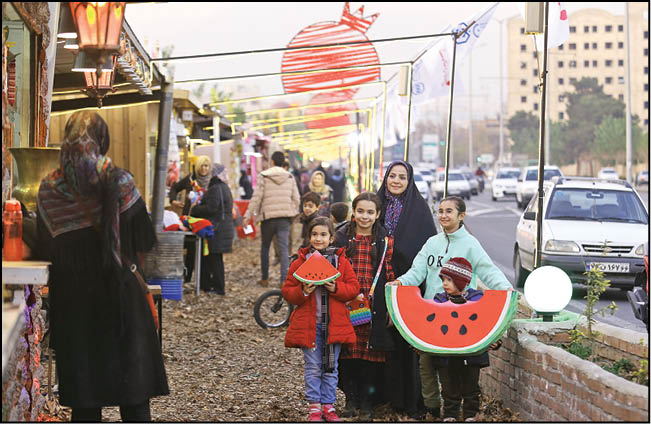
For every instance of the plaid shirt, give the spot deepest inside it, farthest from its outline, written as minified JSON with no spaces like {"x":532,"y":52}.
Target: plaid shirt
{"x":362,"y":265}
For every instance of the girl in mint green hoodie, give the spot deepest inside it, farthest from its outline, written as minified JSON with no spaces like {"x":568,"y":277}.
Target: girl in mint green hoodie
{"x":454,"y":241}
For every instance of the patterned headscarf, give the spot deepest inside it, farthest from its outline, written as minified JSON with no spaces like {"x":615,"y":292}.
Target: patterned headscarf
{"x":87,"y":190}
{"x":394,"y":203}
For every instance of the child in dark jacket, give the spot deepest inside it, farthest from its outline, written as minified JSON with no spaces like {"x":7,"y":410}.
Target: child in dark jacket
{"x":309,"y":206}
{"x":321,"y":322}
{"x":459,"y":375}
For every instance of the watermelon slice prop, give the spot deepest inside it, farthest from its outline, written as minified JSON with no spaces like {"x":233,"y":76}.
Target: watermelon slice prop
{"x":448,"y":328}
{"x":316,"y":270}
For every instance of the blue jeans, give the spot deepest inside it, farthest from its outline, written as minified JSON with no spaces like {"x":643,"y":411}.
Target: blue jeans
{"x":320,"y":386}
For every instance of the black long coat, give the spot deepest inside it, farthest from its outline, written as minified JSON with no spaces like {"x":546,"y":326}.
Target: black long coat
{"x":217,"y":206}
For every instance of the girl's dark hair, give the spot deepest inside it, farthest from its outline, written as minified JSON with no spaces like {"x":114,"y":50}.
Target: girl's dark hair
{"x":321,"y":220}
{"x":352,"y":227}
{"x":460,"y":204}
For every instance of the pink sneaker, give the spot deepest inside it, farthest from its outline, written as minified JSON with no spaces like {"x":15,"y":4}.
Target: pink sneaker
{"x":329,"y":413}
{"x":315,"y":413}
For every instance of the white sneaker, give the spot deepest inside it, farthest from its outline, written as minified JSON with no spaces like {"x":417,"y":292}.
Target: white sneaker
{"x":449,"y":420}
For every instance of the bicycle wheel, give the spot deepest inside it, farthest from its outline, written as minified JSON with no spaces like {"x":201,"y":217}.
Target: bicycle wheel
{"x":271,"y":310}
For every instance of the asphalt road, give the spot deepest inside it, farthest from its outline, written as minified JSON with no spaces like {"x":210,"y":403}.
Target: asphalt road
{"x":494,"y":224}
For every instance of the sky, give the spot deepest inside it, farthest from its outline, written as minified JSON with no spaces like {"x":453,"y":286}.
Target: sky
{"x":200,"y":28}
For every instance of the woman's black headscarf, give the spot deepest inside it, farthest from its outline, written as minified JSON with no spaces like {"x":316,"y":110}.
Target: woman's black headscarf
{"x":415,"y":225}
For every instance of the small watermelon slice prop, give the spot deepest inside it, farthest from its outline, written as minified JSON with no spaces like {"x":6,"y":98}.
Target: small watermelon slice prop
{"x":316,"y":270}
{"x":448,"y":328}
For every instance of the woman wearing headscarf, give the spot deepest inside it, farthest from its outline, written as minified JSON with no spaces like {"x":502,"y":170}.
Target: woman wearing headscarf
{"x":245,"y":183}
{"x":216,"y":206}
{"x":195,"y":185}
{"x":319,"y":186}
{"x":92,"y":225}
{"x":408,"y":219}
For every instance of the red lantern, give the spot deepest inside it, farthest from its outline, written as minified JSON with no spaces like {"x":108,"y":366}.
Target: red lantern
{"x":351,"y":28}
{"x":98,"y":25}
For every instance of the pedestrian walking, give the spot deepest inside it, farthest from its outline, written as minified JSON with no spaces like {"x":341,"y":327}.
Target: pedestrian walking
{"x":245,"y":184}
{"x":454,"y":241}
{"x":217,"y":206}
{"x":338,"y":184}
{"x":318,"y":185}
{"x":321,"y":324}
{"x":275,"y":201}
{"x":195,"y":185}
{"x":407,"y":217}
{"x":361,"y":366}
{"x":92,"y":224}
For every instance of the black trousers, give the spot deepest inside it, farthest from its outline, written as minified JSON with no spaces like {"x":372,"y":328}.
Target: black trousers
{"x":134,"y":413}
{"x":190,"y":246}
{"x":361,"y":382}
{"x":459,"y":381}
{"x":212,"y":273}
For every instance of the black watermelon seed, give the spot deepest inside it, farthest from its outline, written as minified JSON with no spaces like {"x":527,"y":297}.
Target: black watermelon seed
{"x":455,"y":314}
{"x":473,"y":317}
{"x":463,"y":330}
{"x":444,"y":329}
{"x":430,"y":318}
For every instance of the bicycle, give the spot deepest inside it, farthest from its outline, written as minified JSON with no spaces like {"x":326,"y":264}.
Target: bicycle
{"x":271,"y":310}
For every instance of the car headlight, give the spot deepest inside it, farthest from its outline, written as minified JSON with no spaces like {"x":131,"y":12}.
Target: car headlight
{"x":640,"y":250}
{"x":562,"y":246}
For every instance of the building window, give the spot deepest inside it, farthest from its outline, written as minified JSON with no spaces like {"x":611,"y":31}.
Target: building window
{"x":609,"y":45}
{"x":535,"y":106}
{"x":521,"y":30}
{"x":594,"y":46}
{"x":586,"y":63}
{"x":646,"y":51}
{"x":620,"y":45}
{"x":609,"y":80}
{"x":523,"y":65}
{"x":620,"y":28}
{"x":609,"y":28}
{"x":620,"y":62}
{"x":621,"y":97}
{"x":594,"y":28}
{"x":594,"y":63}
{"x":572,"y":80}
{"x":609,"y":63}
{"x":572,"y":46}
{"x":586,"y":46}
{"x":561,"y":98}
{"x":572,"y":29}
{"x":646,"y":87}
{"x":523,"y":82}
{"x":646,"y":70}
{"x":560,"y":63}
{"x":535,"y":89}
{"x":561,"y":115}
{"x":560,"y":47}
{"x":646,"y":35}
{"x":646,"y":104}
{"x":535,"y":72}
{"x":646,"y":122}
{"x":572,"y":64}
{"x":561,"y":81}
{"x":620,"y":80}
{"x":523,"y":47}
{"x":586,"y":29}
{"x":535,"y":55}
{"x":523,"y":99}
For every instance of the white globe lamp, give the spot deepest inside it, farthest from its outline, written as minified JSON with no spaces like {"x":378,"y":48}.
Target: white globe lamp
{"x":548,"y":290}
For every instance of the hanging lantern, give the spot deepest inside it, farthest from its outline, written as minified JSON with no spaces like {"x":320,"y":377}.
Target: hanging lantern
{"x":99,"y":79}
{"x":98,"y":25}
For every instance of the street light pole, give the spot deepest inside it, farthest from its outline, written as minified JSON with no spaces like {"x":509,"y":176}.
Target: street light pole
{"x":541,"y":144}
{"x":501,"y":155}
{"x":629,"y":142}
{"x":470,"y":162}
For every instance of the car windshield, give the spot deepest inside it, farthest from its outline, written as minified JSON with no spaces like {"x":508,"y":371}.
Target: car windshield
{"x":417,"y":177}
{"x":595,"y":204}
{"x":425,"y":172}
{"x":455,"y":177}
{"x":507,"y":175}
{"x":532,"y":174}
{"x":607,"y":171}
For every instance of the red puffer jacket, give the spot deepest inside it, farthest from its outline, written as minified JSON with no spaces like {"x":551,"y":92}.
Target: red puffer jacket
{"x":302,"y":323}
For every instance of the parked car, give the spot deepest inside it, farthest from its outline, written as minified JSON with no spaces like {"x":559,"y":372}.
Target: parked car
{"x":427,"y":174}
{"x":639,"y":296}
{"x":642,"y":178}
{"x":528,"y":183}
{"x":472,"y":180}
{"x":608,"y":174}
{"x":457,"y":185}
{"x":422,"y":186}
{"x":586,"y":222}
{"x":504,"y":183}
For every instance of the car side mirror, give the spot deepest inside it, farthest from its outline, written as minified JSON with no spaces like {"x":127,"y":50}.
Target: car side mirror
{"x":531,"y":216}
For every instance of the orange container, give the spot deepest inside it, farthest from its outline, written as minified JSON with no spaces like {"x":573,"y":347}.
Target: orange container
{"x":12,"y":222}
{"x":242,"y":206}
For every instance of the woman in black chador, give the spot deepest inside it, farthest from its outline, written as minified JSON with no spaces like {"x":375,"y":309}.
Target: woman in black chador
{"x":92,"y":224}
{"x":408,"y":219}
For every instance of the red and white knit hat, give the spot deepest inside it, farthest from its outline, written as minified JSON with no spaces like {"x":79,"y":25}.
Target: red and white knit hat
{"x":459,"y":271}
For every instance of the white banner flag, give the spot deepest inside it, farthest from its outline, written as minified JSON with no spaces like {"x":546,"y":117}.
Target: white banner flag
{"x":558,"y":26}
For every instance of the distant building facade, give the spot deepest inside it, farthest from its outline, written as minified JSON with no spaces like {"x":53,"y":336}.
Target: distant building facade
{"x":596,"y":48}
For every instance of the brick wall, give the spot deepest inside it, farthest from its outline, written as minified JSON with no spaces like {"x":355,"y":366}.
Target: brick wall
{"x":546,"y":383}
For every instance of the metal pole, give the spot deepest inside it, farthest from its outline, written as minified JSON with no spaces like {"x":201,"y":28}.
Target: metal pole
{"x":359,"y":158}
{"x":216,"y":148}
{"x":470,"y":161}
{"x":162,"y":146}
{"x":541,"y":145}
{"x":547,"y":125}
{"x":629,"y":141}
{"x":501,"y":154}
{"x":411,"y":73}
{"x":448,"y":140}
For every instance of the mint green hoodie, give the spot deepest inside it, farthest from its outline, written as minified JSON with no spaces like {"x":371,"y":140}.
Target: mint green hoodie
{"x":437,"y":250}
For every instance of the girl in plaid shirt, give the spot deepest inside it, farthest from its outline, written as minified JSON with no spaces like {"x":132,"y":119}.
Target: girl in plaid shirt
{"x":361,"y":364}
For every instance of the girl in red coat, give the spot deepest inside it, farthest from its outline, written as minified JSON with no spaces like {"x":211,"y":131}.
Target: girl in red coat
{"x":321,"y":322}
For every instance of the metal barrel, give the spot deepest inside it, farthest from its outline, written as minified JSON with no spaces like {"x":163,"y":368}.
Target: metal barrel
{"x":165,"y":260}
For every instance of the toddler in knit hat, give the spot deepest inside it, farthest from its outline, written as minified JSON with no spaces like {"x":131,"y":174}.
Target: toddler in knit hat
{"x":456,"y":275}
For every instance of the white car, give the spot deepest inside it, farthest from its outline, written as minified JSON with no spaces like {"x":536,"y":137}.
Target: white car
{"x":504,"y":183}
{"x":587,"y":222}
{"x":422,"y":186}
{"x":607,"y":174}
{"x":427,"y":174}
{"x":457,"y":185}
{"x":528,"y":183}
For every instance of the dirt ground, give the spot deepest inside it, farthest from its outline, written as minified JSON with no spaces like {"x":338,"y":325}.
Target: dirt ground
{"x":221,"y":366}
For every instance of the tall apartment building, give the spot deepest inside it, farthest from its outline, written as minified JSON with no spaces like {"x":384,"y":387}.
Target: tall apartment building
{"x":595,"y":48}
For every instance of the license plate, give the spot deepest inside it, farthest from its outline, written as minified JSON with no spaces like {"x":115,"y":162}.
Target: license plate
{"x":608,"y":266}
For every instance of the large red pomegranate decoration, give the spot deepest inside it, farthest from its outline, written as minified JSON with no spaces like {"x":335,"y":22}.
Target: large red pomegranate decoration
{"x":331,"y":97}
{"x":351,"y":27}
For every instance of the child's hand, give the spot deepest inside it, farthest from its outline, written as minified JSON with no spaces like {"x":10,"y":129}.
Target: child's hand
{"x":394,"y":283}
{"x":308,"y":288}
{"x":330,"y":286}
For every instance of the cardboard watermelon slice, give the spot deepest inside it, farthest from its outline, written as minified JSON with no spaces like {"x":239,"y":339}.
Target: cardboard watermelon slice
{"x":316,"y":270}
{"x":448,"y":328}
